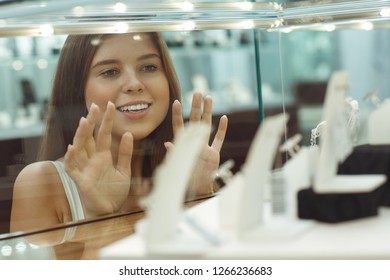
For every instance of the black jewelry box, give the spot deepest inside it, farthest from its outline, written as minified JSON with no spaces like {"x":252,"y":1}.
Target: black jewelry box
{"x":337,"y":207}
{"x":370,"y":159}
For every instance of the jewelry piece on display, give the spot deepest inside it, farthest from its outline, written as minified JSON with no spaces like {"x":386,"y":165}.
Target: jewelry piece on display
{"x":372,"y":96}
{"x":353,"y":122}
{"x":291,"y":145}
{"x":315,"y":133}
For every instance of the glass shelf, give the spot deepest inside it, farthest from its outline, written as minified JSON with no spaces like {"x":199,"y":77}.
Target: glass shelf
{"x":36,"y":19}
{"x":328,"y":15}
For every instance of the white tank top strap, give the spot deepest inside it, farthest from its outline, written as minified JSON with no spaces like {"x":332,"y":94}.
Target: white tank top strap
{"x":71,"y":192}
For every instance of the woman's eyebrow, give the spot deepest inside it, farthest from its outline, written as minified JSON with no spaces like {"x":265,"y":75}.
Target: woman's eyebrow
{"x":115,"y":61}
{"x":105,"y":62}
{"x":149,"y":55}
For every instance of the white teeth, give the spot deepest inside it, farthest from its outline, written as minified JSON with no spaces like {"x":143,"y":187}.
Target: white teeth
{"x":133,"y":108}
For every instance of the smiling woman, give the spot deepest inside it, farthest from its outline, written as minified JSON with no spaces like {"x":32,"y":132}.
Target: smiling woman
{"x":139,"y":74}
{"x":114,"y":111}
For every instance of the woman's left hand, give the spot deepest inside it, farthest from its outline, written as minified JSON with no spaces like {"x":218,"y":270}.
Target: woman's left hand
{"x":203,"y":176}
{"x":102,"y":183}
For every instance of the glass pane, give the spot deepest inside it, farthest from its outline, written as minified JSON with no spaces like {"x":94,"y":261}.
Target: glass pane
{"x":310,"y":57}
{"x":282,"y":52}
{"x":220,"y":63}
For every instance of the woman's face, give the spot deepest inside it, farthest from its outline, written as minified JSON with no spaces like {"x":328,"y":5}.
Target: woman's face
{"x":127,"y":70}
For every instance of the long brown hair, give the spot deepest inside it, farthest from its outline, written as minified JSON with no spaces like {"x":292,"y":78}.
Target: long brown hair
{"x":67,"y":104}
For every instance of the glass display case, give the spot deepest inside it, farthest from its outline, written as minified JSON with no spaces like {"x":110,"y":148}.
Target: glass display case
{"x":255,"y":59}
{"x":320,"y":37}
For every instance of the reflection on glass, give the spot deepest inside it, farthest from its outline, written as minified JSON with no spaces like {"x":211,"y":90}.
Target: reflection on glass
{"x":217,"y":63}
{"x":303,"y":61}
{"x":20,"y":249}
{"x":110,"y":123}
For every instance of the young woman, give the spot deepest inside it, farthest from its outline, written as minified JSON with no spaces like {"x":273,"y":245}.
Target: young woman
{"x":114,"y":110}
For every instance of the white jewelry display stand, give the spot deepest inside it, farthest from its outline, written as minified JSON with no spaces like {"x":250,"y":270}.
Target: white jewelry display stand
{"x":302,"y":158}
{"x":164,"y":206}
{"x":336,"y":144}
{"x":242,"y":201}
{"x":296,"y":180}
{"x":379,"y":124}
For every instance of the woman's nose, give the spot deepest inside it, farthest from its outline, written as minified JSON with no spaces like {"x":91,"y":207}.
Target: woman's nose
{"x":132,"y":83}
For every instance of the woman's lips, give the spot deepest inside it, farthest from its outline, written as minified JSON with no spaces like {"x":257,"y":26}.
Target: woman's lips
{"x":134,"y":111}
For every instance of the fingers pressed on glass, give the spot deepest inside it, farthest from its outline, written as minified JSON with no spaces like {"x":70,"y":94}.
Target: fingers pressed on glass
{"x":92,"y":117}
{"x":177,"y":117}
{"x":221,"y":133}
{"x":207,"y":110}
{"x":71,"y":164}
{"x":81,"y":135}
{"x":125,"y":153}
{"x":196,"y":107}
{"x":83,"y":141}
{"x":104,"y":133}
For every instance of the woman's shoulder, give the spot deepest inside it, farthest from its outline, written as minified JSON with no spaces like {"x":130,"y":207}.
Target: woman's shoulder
{"x":38,"y":197}
{"x":41,"y":175}
{"x":39,"y":166}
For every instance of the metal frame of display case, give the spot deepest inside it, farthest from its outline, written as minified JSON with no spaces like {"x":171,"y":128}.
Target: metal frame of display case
{"x":32,"y":18}
{"x":127,"y":16}
{"x":329,"y":15}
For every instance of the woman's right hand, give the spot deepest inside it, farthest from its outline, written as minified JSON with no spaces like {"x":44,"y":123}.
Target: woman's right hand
{"x":102,"y":184}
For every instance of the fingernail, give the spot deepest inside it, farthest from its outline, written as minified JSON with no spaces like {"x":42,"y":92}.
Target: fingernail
{"x":110,"y":103}
{"x":92,"y":105}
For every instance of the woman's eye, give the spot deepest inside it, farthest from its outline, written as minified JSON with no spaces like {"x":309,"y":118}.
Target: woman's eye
{"x":149,"y":68}
{"x":110,"y":73}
